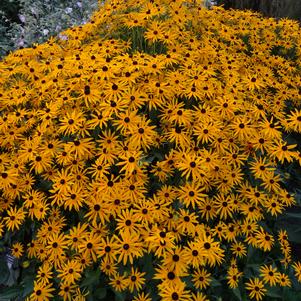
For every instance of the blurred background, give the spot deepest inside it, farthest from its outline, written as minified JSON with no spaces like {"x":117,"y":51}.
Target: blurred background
{"x":273,"y":8}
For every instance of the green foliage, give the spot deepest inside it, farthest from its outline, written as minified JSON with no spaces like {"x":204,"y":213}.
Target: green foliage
{"x":25,"y":22}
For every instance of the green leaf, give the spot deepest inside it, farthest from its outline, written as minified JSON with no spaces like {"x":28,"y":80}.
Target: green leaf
{"x":294,"y":215}
{"x":237,"y":293}
{"x":100,"y":293}
{"x":215,"y":283}
{"x":290,"y":295}
{"x":274,"y":293}
{"x":9,"y":293}
{"x":91,"y":278}
{"x":4,"y":275}
{"x":27,"y":284}
{"x":119,"y":296}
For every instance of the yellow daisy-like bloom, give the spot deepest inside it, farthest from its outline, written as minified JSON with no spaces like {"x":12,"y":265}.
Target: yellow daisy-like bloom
{"x":129,"y":247}
{"x":284,"y":280}
{"x":269,"y":275}
{"x":294,"y":121}
{"x":190,"y":165}
{"x":41,"y":292}
{"x":264,"y":240}
{"x":70,"y":272}
{"x":15,"y":218}
{"x":173,"y":293}
{"x":233,"y":277}
{"x":17,"y":250}
{"x":239,"y":249}
{"x":8,"y":177}
{"x":201,"y":278}
{"x":119,"y":282}
{"x":199,"y":297}
{"x":297,"y":268}
{"x":256,"y":289}
{"x":191,"y":194}
{"x":45,"y":273}
{"x":136,"y":280}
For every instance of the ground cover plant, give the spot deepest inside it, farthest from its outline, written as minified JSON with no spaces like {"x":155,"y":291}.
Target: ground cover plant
{"x":142,"y":157}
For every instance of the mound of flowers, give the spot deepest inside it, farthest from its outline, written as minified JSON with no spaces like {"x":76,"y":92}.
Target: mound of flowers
{"x":140,"y":154}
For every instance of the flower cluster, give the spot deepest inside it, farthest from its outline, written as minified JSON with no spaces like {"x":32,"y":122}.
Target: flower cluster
{"x":147,"y":143}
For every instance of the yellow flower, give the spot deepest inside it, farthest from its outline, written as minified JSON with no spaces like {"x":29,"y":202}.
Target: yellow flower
{"x":256,"y":288}
{"x":294,"y":121}
{"x":17,"y":250}
{"x":173,"y":293}
{"x":89,"y":246}
{"x":253,"y":81}
{"x":190,"y":165}
{"x":199,"y":297}
{"x":269,"y":275}
{"x":239,"y":249}
{"x":136,"y":280}
{"x":142,"y":134}
{"x":142,"y":297}
{"x":155,"y":31}
{"x":297,"y":268}
{"x":264,"y":240}
{"x":130,"y":162}
{"x":45,"y":273}
{"x":283,"y":152}
{"x":119,"y":282}
{"x":223,"y":206}
{"x":15,"y":218}
{"x":201,"y":278}
{"x":284,"y":280}
{"x":8,"y":177}
{"x":42,"y":292}
{"x":175,"y":261}
{"x":129,"y":247}
{"x":191,"y":194}
{"x":233,"y":277}
{"x":70,"y":124}
{"x":70,"y":272}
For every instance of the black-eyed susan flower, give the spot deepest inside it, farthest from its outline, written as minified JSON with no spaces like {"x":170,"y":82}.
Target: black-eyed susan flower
{"x":142,"y":297}
{"x":191,"y":194}
{"x":297,"y":269}
{"x":129,"y":247}
{"x":17,"y":250}
{"x":45,"y":273}
{"x":190,"y":165}
{"x":8,"y":177}
{"x":89,"y":246}
{"x":233,"y":277}
{"x":173,"y":293}
{"x":41,"y":292}
{"x":284,"y":280}
{"x":256,"y":289}
{"x":199,"y":297}
{"x":294,"y":121}
{"x":70,"y":272}
{"x":201,"y":278}
{"x":119,"y":282}
{"x":15,"y":218}
{"x":269,"y":275}
{"x":239,"y":249}
{"x":136,"y":280}
{"x":264,"y":239}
